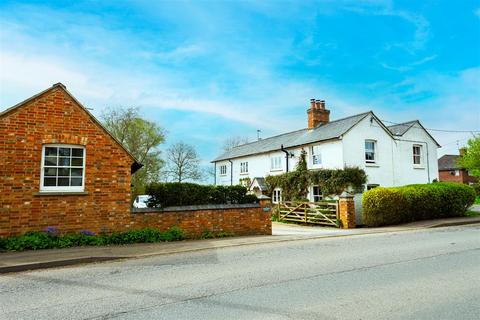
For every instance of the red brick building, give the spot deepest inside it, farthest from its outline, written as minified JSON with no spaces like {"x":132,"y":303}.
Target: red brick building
{"x":59,"y":167}
{"x":449,"y":170}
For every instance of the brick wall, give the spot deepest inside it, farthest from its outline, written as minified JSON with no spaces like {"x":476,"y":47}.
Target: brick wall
{"x":463,"y":177}
{"x":247,"y":219}
{"x":54,"y":117}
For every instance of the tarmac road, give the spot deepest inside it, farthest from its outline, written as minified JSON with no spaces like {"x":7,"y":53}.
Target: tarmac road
{"x":421,"y":274}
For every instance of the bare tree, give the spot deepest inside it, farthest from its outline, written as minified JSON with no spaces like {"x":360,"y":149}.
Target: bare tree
{"x":233,"y":142}
{"x":183,"y":163}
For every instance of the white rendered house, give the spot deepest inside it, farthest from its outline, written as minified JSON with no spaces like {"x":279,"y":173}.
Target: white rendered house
{"x":390,"y":155}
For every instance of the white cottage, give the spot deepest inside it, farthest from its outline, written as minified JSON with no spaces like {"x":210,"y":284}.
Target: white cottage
{"x":390,"y":155}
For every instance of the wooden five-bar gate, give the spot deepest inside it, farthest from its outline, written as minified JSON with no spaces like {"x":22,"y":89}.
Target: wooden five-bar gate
{"x":323,"y":213}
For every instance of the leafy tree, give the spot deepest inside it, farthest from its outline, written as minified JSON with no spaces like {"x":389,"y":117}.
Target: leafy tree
{"x":183,"y":163}
{"x":233,"y":142}
{"x":141,"y":138}
{"x":471,"y":158}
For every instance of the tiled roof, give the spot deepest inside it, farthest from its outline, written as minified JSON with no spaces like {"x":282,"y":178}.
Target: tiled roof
{"x":331,"y":130}
{"x":448,"y":162}
{"x":401,"y":128}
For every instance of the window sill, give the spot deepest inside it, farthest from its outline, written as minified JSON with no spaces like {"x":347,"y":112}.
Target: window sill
{"x":372,"y":164}
{"x":419,"y":167}
{"x":244,"y":174}
{"x":276,"y":170}
{"x":73,"y":193}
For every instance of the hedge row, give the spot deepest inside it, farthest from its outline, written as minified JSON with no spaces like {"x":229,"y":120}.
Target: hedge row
{"x":52,"y":238}
{"x":185,"y":194}
{"x":385,"y":206}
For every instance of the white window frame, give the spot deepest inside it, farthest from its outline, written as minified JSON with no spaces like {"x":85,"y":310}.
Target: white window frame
{"x":277,"y":195}
{"x":44,"y":188}
{"x":223,"y":170}
{"x":316,"y":155}
{"x":319,"y":195}
{"x":244,"y":167}
{"x":374,"y":143}
{"x":418,"y":156}
{"x":457,"y":173}
{"x":275,"y":163}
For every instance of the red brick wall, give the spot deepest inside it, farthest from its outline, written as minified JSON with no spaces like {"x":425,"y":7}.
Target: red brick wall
{"x":55,"y":118}
{"x":240,"y":221}
{"x":462,"y":178}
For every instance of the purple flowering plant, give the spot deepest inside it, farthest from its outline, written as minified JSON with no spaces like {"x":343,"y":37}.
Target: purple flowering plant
{"x":87,"y":233}
{"x":52,"y":231}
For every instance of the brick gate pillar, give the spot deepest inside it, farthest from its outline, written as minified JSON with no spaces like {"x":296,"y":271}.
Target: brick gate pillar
{"x":266,"y":205}
{"x":346,"y":210}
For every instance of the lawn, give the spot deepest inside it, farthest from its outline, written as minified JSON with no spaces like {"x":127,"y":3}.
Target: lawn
{"x":477,"y":200}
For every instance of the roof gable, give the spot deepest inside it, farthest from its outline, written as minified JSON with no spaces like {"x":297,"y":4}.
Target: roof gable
{"x":135,"y":166}
{"x":400,"y":129}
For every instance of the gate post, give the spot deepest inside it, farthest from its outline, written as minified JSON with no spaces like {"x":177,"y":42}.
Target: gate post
{"x":346,"y":210}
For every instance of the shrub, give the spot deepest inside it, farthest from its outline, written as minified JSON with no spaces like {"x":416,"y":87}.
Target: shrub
{"x":476,"y":186}
{"x":183,"y":194}
{"x":47,"y":239}
{"x":384,"y":206}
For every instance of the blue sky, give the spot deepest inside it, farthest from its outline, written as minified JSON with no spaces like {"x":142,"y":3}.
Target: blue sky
{"x":209,"y":70}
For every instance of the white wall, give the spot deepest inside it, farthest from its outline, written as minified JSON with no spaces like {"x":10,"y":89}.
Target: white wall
{"x":381,"y":172}
{"x":406,"y":171}
{"x":259,"y":165}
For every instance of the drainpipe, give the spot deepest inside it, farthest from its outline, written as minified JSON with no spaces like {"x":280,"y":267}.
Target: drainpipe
{"x":231,"y":172}
{"x":287,"y":155}
{"x":215,"y":175}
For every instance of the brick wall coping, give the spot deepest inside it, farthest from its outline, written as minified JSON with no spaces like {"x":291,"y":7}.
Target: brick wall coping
{"x":196,"y":207}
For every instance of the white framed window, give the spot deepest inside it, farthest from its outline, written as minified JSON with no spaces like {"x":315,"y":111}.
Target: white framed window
{"x":276,"y":163}
{"x":457,"y":173}
{"x":417,"y":154}
{"x":316,"y":155}
{"x":63,"y":168}
{"x":277,"y":195}
{"x":316,"y":194}
{"x":243,"y":167}
{"x":223,"y":169}
{"x":370,"y":151}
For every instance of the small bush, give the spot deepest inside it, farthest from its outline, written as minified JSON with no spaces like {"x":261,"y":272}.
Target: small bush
{"x":48,"y":239}
{"x":384,"y":206}
{"x":476,"y":186}
{"x":185,"y":194}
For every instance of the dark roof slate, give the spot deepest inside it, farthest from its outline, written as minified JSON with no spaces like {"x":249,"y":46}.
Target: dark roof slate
{"x":448,"y":162}
{"x":328,"y":131}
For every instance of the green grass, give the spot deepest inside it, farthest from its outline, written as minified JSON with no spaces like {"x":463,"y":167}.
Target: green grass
{"x":477,"y":200}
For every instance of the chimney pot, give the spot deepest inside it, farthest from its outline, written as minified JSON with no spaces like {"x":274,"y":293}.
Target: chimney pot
{"x":317,"y":114}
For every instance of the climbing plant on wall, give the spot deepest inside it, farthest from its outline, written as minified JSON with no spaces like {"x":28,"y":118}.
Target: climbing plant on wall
{"x":295,"y":184}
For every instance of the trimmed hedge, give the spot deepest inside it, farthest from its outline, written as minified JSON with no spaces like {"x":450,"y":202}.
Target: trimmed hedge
{"x":186,"y":194}
{"x":385,"y":206}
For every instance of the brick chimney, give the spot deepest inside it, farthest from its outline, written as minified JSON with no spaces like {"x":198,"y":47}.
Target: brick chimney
{"x":317,"y":114}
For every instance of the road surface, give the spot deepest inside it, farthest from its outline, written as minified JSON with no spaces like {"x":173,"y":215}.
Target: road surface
{"x":423,"y":274}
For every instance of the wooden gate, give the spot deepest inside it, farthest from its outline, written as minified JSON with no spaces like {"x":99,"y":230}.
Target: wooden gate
{"x":322,"y":213}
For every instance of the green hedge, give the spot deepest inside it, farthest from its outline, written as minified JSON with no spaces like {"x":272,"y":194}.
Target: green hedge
{"x":51,"y":238}
{"x":185,"y":194}
{"x":385,"y":206}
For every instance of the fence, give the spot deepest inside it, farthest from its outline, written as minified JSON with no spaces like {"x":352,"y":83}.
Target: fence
{"x":322,"y":213}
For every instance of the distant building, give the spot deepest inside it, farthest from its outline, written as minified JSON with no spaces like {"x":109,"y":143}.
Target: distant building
{"x":449,"y":170}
